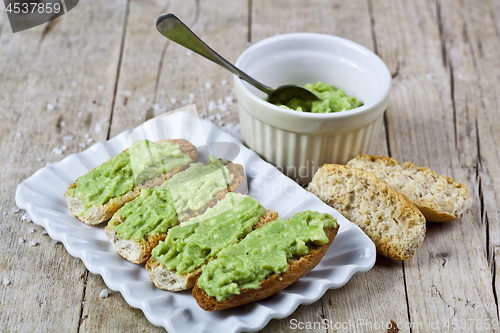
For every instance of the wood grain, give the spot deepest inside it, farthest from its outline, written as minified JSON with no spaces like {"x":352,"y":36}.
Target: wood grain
{"x":53,"y":63}
{"x":450,"y":279}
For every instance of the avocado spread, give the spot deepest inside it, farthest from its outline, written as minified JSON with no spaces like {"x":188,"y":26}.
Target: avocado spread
{"x":144,"y":160}
{"x":263,"y":252}
{"x":331,"y":98}
{"x":191,"y":244}
{"x":155,"y":211}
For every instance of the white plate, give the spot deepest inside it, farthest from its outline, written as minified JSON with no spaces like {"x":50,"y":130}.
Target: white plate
{"x":42,"y":196}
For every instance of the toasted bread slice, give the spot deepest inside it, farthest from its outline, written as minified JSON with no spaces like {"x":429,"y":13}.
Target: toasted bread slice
{"x":438,"y":197}
{"x":392,"y":222}
{"x":99,"y":214}
{"x":138,"y":252}
{"x":166,"y":279}
{"x":297,"y":268}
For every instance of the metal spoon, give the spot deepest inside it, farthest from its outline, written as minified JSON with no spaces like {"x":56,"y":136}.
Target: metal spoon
{"x":174,"y":29}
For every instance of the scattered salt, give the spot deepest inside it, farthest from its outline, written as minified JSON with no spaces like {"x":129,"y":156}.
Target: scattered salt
{"x":139,"y":118}
{"x":82,"y":145}
{"x":184,"y":101}
{"x":191,"y":96}
{"x":248,"y":44}
{"x":218,"y":116}
{"x":18,"y":135}
{"x":104,"y":119}
{"x":173,"y":100}
{"x":222,"y":107}
{"x":44,"y":232}
{"x":79,"y":114}
{"x":4,"y":213}
{"x":159,"y":108}
{"x":68,"y":138}
{"x":86,"y":136}
{"x":229,"y":100}
{"x":100,"y":87}
{"x":223,"y":82}
{"x":459,"y":75}
{"x":211,"y":117}
{"x":21,"y":240}
{"x":221,"y":123}
{"x":31,"y":230}
{"x":98,"y":127}
{"x":39,"y":159}
{"x":128,"y":93}
{"x":33,"y":242}
{"x":189,"y":53}
{"x":143,"y":99}
{"x":219,"y":101}
{"x":211,"y":106}
{"x":208,"y":85}
{"x":104,"y":293}
{"x":50,"y":107}
{"x":55,"y":241}
{"x":429,"y":76}
{"x":90,"y":140}
{"x":57,"y":151}
{"x":5,"y":281}
{"x":15,"y":209}
{"x":23,"y":217}
{"x":28,"y":218}
{"x":63,"y":148}
{"x":228,"y":113}
{"x":63,"y":123}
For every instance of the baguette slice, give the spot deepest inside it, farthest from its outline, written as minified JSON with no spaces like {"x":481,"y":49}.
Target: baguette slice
{"x":392,"y":222}
{"x":166,"y":279}
{"x":438,"y":197}
{"x":99,"y":214}
{"x":139,"y":252}
{"x":297,"y":268}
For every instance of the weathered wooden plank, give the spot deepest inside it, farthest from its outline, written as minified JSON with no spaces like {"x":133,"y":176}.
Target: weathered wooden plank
{"x":57,"y":64}
{"x":365,"y":296}
{"x":449,"y":280}
{"x":157,"y":70}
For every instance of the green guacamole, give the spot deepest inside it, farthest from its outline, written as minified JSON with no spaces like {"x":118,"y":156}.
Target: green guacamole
{"x":332,"y":100}
{"x":191,"y":244}
{"x":263,"y":252}
{"x":155,"y":211}
{"x":143,"y":161}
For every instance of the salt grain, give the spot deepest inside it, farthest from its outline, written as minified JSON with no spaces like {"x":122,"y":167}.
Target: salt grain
{"x":55,"y":241}
{"x":229,"y":100}
{"x":63,"y":148}
{"x":211,"y":106}
{"x":208,"y":85}
{"x":139,"y":118}
{"x":86,"y":136}
{"x":90,"y":140}
{"x":31,"y":230}
{"x":50,"y":107}
{"x":68,"y":138}
{"x":429,"y":76}
{"x":173,"y":100}
{"x":82,"y":145}
{"x":104,"y":119}
{"x":100,"y":87}
{"x":79,"y":114}
{"x":21,"y":240}
{"x":28,"y":218}
{"x":189,"y":53}
{"x":191,"y":96}
{"x":44,"y":232}
{"x":57,"y":151}
{"x":143,"y":99}
{"x":63,"y":123}
{"x":211,"y":117}
{"x":33,"y":242}
{"x":98,"y":127}
{"x":15,"y":210}
{"x":39,"y":159}
{"x":4,"y":213}
{"x":218,"y":116}
{"x":223,"y":82}
{"x":221,"y":123}
{"x":18,"y":135}
{"x":128,"y":93}
{"x":222,"y":107}
{"x":23,"y":217}
{"x":5,"y":281}
{"x":184,"y":101}
{"x":104,"y":293}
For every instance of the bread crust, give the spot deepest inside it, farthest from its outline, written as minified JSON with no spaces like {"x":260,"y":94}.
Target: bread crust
{"x":139,"y":252}
{"x":104,"y":212}
{"x":392,"y":222}
{"x":297,"y":267}
{"x":438,"y":197}
{"x":166,"y":279}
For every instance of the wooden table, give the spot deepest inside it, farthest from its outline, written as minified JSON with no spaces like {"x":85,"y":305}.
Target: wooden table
{"x":104,"y":63}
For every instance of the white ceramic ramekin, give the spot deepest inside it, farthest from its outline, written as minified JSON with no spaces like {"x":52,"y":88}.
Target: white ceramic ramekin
{"x":298,"y":143}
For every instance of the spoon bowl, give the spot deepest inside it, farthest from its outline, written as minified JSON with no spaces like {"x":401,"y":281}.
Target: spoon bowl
{"x":174,"y":29}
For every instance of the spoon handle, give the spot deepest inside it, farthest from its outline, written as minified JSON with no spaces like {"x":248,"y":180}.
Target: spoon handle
{"x":174,"y":29}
